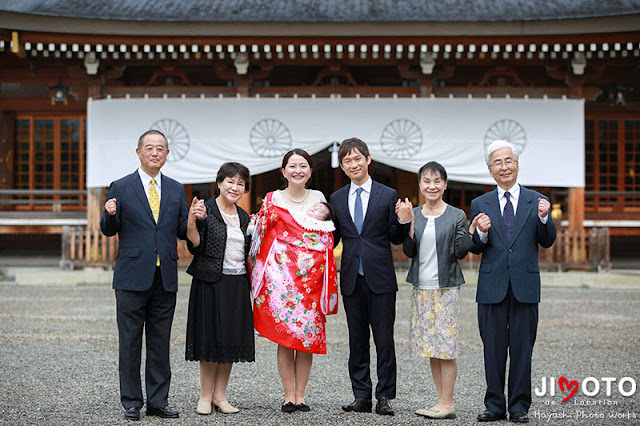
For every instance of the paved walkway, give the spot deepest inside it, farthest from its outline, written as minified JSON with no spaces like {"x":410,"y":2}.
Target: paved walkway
{"x":58,"y":357}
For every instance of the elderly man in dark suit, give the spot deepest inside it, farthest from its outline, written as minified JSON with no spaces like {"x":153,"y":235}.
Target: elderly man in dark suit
{"x":149,"y":212}
{"x":367,"y":223}
{"x":513,"y":222}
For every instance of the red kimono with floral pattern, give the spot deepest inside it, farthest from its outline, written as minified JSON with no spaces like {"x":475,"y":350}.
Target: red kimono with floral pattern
{"x":293,"y":279}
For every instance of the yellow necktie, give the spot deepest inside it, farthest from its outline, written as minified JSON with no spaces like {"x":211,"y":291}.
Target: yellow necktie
{"x":154,"y":203}
{"x":154,"y":200}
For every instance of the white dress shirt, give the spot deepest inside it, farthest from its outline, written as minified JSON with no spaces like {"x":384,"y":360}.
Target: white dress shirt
{"x":515,"y":196}
{"x":146,"y":183}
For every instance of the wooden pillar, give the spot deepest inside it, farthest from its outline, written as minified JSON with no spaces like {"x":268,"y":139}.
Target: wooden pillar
{"x":407,"y":186}
{"x":243,"y":84}
{"x":576,"y":209}
{"x":95,"y":196}
{"x":95,"y":207}
{"x":245,"y":202}
{"x":7,"y":151}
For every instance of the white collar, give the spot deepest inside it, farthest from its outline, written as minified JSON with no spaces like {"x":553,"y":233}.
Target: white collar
{"x":514,"y":191}
{"x":146,"y":179}
{"x":365,"y":186}
{"x":311,"y":224}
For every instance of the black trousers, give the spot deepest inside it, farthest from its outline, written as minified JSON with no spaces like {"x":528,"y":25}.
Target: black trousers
{"x":151,"y":310}
{"x":508,"y":326}
{"x":365,"y":308}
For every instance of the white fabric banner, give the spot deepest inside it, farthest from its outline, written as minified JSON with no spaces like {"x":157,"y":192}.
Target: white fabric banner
{"x":404,"y":133}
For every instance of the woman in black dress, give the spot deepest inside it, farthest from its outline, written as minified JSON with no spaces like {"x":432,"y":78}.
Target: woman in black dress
{"x":220,"y":320}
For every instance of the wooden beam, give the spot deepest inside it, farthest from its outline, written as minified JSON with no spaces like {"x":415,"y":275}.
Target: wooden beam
{"x":589,"y":93}
{"x":261,"y":40}
{"x":42,"y":105}
{"x":9,"y":229}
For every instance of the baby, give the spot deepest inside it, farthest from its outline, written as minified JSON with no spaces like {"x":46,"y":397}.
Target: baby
{"x":321,"y":211}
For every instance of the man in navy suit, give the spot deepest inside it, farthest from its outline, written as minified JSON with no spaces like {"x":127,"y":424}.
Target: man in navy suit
{"x":513,"y":222}
{"x":367,"y":223}
{"x":149,"y":212}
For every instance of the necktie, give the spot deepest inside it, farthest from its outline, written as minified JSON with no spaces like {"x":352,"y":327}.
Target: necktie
{"x":357,"y":220}
{"x":508,"y":217}
{"x":154,"y":200}
{"x":154,"y":203}
{"x":357,"y":212}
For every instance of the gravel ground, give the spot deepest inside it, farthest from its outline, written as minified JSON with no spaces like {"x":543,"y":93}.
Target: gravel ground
{"x":59,"y":363}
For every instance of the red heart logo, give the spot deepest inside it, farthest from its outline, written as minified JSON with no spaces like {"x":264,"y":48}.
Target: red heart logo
{"x":571,"y":387}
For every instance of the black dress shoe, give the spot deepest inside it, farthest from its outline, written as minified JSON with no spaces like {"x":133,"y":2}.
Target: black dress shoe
{"x":359,"y":405}
{"x":303,"y":407}
{"x":490,"y":416}
{"x":289,"y":407}
{"x":132,"y":413}
{"x":165,"y":412}
{"x":519,"y":418}
{"x":383,"y":407}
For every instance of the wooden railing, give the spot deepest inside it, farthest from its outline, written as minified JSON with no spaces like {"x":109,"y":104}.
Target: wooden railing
{"x":82,"y":247}
{"x":56,"y":198}
{"x":583,"y":250}
{"x":587,"y":249}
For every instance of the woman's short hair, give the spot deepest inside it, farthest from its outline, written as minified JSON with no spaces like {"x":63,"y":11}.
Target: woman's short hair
{"x":433,"y":167}
{"x":297,"y":151}
{"x":349,"y":145}
{"x":232,"y":169}
{"x":499,"y":144}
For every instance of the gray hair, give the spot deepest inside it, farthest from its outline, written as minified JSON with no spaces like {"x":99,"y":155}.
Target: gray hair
{"x":499,"y":144}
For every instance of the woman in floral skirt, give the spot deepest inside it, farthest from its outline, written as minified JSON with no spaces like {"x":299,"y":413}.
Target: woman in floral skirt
{"x":437,"y":239}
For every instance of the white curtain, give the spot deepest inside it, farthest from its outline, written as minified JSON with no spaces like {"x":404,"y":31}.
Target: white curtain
{"x":404,"y":133}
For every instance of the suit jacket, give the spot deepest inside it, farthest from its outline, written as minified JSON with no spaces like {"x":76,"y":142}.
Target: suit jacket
{"x":453,"y":242}
{"x":379,"y":229}
{"x":141,"y":239}
{"x":516,"y":262}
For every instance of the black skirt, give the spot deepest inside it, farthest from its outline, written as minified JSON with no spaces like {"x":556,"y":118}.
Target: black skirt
{"x":220,"y":321}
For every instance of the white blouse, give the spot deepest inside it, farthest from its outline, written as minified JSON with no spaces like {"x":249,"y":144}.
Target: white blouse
{"x":428,"y":274}
{"x":234,"y":261}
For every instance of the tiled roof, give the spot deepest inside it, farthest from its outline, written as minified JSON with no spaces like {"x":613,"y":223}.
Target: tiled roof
{"x":324,"y":10}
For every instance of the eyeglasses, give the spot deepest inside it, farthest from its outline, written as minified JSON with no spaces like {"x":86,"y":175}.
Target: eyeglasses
{"x":506,"y":162}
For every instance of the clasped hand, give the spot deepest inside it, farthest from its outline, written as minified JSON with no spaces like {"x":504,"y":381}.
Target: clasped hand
{"x":197,"y":209}
{"x":404,"y":210}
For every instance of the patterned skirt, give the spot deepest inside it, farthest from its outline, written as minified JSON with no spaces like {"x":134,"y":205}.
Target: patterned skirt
{"x":434,"y":323}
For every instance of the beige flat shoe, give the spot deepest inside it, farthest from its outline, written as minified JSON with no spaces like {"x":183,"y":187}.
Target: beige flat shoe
{"x":437,"y":414}
{"x":204,"y":408}
{"x":224,"y":407}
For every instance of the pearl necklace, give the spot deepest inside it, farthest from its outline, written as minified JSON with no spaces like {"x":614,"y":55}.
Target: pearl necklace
{"x":307,"y":192}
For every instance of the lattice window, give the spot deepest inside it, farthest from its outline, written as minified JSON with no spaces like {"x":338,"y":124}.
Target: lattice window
{"x":632,"y":160}
{"x":50,"y":154}
{"x":612,"y":164}
{"x":23,"y":137}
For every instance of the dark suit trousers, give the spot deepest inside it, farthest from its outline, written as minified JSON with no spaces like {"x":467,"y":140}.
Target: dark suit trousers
{"x":508,"y":326}
{"x":365,"y":308}
{"x":151,"y":310}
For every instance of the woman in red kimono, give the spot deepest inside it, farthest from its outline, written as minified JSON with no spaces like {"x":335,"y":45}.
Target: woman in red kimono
{"x":293,"y":277}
